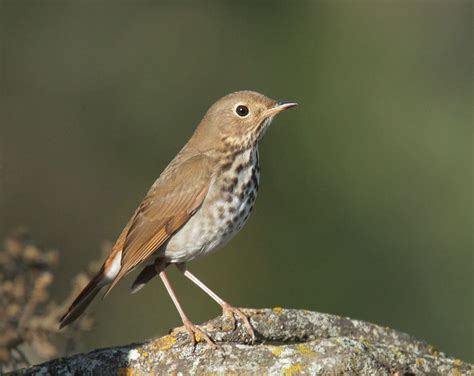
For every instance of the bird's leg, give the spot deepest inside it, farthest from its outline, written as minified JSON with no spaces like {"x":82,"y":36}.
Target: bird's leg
{"x":227,"y":309}
{"x":192,"y":329}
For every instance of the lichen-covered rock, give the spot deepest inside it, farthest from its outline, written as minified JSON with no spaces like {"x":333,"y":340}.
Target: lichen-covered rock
{"x":289,"y":342}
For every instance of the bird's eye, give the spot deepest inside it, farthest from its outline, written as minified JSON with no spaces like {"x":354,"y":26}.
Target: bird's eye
{"x":242,"y":110}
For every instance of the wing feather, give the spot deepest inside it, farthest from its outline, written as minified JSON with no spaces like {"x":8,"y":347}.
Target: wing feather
{"x":170,"y":203}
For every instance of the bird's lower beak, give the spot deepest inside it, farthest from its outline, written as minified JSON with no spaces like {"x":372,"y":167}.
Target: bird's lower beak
{"x":279,"y":107}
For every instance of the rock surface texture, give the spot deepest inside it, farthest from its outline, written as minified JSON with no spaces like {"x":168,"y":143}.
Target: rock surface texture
{"x":289,"y":342}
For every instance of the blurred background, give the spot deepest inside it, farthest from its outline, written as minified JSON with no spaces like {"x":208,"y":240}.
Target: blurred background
{"x":365,"y":206}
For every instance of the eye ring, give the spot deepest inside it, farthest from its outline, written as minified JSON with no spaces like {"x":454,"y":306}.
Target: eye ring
{"x":242,"y":110}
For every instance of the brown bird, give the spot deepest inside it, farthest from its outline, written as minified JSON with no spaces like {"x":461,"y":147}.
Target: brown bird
{"x":199,"y":202}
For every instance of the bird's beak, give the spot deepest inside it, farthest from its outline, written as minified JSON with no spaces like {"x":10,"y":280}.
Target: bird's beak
{"x":279,"y":107}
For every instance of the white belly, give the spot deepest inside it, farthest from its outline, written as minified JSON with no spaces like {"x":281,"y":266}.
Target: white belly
{"x":224,"y":211}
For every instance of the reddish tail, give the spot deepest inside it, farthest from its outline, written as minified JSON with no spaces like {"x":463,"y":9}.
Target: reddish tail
{"x":83,"y":300}
{"x":106,"y":275}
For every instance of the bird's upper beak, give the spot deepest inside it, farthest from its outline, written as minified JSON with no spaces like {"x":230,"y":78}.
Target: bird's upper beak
{"x":279,"y":107}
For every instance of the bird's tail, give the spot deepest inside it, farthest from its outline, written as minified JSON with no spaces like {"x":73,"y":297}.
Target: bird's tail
{"x":83,"y":300}
{"x":104,"y":277}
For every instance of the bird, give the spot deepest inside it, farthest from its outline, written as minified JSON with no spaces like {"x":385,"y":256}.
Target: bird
{"x":198,"y":203}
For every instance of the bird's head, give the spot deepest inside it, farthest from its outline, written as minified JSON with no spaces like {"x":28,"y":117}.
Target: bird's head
{"x":239,"y":120}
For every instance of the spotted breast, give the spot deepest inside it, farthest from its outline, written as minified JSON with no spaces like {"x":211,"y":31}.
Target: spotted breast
{"x":225,"y":210}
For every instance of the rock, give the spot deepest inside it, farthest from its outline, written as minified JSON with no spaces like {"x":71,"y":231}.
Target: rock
{"x":289,"y":342}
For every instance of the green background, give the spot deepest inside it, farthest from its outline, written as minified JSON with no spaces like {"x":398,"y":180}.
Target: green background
{"x":365,"y":207}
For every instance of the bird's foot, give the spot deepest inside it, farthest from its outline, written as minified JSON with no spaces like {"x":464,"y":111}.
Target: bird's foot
{"x":231,"y":312}
{"x":197,"y":335}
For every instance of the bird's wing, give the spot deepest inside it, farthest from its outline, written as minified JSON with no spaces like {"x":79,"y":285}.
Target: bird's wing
{"x":172,"y":200}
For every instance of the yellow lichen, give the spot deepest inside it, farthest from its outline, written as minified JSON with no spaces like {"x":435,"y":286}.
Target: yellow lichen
{"x":433,"y":351}
{"x":125,"y":372}
{"x":456,"y":372}
{"x":277,"y":310}
{"x":198,"y":337}
{"x":293,"y":370}
{"x":165,"y":343}
{"x":420,"y":361}
{"x":276,"y":350}
{"x":304,"y":349}
{"x":457,"y":362}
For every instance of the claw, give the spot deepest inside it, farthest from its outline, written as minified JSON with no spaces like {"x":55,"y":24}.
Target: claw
{"x":197,"y":334}
{"x":228,"y":310}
